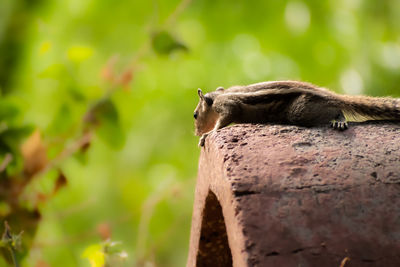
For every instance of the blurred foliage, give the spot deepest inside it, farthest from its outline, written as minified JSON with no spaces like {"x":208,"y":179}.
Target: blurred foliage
{"x":164,"y":43}
{"x":105,"y":254}
{"x":10,"y":242}
{"x":96,"y":136}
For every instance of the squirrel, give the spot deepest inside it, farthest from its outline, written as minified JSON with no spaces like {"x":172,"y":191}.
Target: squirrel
{"x":287,"y":102}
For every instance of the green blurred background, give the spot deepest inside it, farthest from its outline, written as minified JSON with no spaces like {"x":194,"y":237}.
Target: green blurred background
{"x":60,"y":60}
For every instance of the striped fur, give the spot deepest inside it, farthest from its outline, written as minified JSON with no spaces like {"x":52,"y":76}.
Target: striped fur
{"x":288,"y":102}
{"x":362,"y":108}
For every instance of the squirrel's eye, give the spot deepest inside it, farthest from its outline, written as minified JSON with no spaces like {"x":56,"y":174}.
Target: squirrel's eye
{"x":195,"y":115}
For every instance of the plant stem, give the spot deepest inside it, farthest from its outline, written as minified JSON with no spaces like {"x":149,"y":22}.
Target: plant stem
{"x":14,"y":256}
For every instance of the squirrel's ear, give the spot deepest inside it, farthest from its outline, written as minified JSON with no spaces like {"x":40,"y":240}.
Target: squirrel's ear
{"x":220,"y":88}
{"x":200,"y":93}
{"x":208,"y":100}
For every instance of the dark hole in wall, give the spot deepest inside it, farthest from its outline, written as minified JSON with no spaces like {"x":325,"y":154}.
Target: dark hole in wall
{"x":213,"y":247}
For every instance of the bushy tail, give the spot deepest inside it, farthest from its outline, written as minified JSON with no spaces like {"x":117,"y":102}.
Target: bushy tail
{"x":361,"y":108}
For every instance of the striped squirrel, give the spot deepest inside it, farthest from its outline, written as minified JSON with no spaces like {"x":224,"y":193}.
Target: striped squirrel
{"x":287,"y":102}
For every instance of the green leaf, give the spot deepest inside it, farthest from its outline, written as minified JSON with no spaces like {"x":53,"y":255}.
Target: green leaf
{"x":8,"y":110}
{"x":5,"y":209}
{"x":75,"y":93}
{"x":14,"y":135}
{"x":107,"y":253}
{"x":10,"y":141}
{"x":79,"y":53}
{"x":55,"y":71}
{"x":164,"y":43}
{"x":106,"y":118}
{"x":81,"y":157}
{"x":94,"y":253}
{"x":62,"y":121}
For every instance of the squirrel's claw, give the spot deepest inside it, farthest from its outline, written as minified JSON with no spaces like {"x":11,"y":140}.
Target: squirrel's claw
{"x":202,"y":140}
{"x":339,"y":125}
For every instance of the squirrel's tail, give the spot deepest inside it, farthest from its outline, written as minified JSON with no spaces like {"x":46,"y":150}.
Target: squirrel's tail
{"x":362,"y":108}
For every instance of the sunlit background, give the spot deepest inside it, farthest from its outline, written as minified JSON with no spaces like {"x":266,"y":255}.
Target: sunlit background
{"x":100,"y":96}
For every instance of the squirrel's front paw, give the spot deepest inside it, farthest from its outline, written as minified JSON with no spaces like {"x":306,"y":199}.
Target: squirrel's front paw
{"x":202,"y":140}
{"x":339,"y":125}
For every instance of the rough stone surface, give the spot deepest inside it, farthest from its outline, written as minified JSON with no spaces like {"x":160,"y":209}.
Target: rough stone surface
{"x":293,"y":196}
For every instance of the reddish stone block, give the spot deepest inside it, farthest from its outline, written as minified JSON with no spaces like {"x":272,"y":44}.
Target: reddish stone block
{"x":271,"y":195}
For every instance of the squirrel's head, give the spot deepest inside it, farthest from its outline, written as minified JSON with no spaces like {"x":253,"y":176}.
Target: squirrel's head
{"x":204,"y":114}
